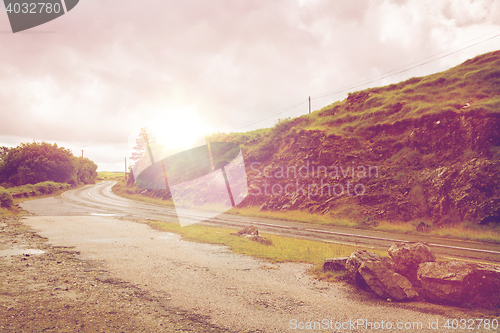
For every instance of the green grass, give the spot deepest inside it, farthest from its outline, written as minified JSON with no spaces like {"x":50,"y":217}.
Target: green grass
{"x":12,"y":211}
{"x":463,"y":232}
{"x":294,"y":215}
{"x":47,"y":187}
{"x":472,"y":233}
{"x":134,"y":193}
{"x":130,"y":192}
{"x":283,"y":249}
{"x":16,"y":210}
{"x":108,"y":175}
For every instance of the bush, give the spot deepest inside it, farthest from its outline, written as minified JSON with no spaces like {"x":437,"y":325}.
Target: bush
{"x":37,"y":162}
{"x":5,"y":198}
{"x":47,"y":187}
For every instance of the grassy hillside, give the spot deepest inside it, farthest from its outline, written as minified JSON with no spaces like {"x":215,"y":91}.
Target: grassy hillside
{"x":424,"y":151}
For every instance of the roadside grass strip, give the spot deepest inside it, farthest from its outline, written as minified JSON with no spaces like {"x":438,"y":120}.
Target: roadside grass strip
{"x":463,"y":231}
{"x":283,"y":249}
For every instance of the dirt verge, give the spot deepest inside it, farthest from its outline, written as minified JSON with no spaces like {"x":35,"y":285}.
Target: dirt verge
{"x":58,"y":291}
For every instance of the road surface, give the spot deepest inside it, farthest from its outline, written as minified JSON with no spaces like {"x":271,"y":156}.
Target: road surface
{"x":232,"y":291}
{"x":99,"y":199}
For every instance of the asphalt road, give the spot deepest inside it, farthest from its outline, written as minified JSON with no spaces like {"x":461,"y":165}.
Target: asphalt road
{"x":234,"y":292}
{"x":99,"y":200}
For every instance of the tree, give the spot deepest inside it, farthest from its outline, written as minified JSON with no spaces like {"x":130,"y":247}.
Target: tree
{"x":86,"y":170}
{"x":144,"y":152}
{"x":3,"y":152}
{"x":31,"y":163}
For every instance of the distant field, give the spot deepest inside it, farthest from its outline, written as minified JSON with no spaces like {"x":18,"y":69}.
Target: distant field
{"x":110,"y":175}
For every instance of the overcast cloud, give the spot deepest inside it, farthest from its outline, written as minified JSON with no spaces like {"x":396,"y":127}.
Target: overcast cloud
{"x":86,"y":79}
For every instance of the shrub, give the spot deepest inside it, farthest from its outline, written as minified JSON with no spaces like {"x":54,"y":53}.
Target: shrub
{"x":47,"y":187}
{"x":5,"y":198}
{"x":34,"y":162}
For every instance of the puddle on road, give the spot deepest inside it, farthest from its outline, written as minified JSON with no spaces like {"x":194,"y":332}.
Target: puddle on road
{"x":17,"y":251}
{"x":102,"y":214}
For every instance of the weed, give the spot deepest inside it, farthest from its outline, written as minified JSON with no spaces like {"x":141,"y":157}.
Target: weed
{"x":5,"y":198}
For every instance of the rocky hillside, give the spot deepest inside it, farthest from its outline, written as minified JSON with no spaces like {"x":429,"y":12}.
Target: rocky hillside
{"x":425,"y":150}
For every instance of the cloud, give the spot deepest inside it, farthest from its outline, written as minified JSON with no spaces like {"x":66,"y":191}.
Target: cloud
{"x":111,"y":65}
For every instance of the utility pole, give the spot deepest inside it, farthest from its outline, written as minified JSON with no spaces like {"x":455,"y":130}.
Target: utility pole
{"x":82,"y":153}
{"x":309,"y":104}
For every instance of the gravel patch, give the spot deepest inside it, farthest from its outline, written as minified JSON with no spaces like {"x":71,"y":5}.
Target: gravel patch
{"x":56,"y":290}
{"x":226,"y":290}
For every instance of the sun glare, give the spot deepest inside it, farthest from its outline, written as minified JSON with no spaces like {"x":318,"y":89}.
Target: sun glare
{"x":179,"y":129}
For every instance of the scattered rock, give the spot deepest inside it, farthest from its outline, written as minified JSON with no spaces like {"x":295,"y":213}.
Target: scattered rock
{"x":252,"y":233}
{"x":259,"y":239}
{"x":408,"y":256}
{"x":251,"y":230}
{"x":461,"y":283}
{"x":335,"y":264}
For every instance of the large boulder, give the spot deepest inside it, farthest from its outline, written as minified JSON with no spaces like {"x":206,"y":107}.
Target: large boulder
{"x":371,"y":271}
{"x":355,"y":260}
{"x":385,"y":282}
{"x":461,"y":283}
{"x":408,"y":256}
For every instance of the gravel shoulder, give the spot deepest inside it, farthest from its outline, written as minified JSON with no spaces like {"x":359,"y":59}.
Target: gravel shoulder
{"x":114,"y":274}
{"x":60,"y":291}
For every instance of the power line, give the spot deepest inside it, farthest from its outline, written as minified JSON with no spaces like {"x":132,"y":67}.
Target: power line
{"x":270,"y":116}
{"x":377,"y":78}
{"x":386,"y":75}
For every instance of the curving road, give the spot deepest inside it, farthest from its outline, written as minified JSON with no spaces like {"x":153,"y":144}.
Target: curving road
{"x":234,"y":292}
{"x":99,"y":200}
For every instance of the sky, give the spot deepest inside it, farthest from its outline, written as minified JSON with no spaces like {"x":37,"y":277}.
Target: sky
{"x":88,"y":79}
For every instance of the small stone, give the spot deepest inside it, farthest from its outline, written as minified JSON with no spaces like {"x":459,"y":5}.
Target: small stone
{"x":335,"y":264}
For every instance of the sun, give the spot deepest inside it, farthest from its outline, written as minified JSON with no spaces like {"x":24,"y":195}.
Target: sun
{"x":179,"y":129}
